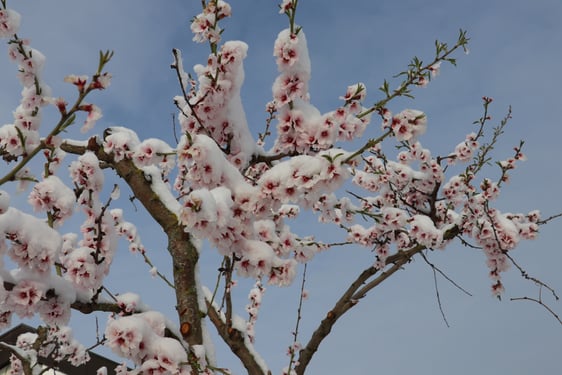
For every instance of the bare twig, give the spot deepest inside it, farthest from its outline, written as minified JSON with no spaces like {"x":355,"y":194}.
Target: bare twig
{"x":235,"y":341}
{"x":526,"y":276}
{"x":540,"y":302}
{"x":435,"y":268}
{"x":299,"y":317}
{"x":544,"y":221}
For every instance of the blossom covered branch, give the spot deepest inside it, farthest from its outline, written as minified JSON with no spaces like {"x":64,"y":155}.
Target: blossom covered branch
{"x":243,"y":194}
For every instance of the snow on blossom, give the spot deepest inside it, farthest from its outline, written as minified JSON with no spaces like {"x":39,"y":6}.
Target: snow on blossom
{"x":32,"y":100}
{"x":154,"y":175}
{"x":120,"y":141}
{"x":9,"y":22}
{"x":208,"y":212}
{"x":456,"y":189}
{"x":130,"y":302}
{"x":299,"y":128}
{"x":25,"y":340}
{"x":359,"y":234}
{"x":10,"y":140}
{"x":465,"y":150}
{"x":291,"y":53}
{"x":242,"y":143}
{"x":293,"y":63}
{"x":156,"y":321}
{"x":257,"y":258}
{"x":393,"y":218}
{"x":24,"y":120}
{"x":423,"y":230}
{"x":35,"y":245}
{"x":303,"y":178}
{"x":139,"y":337}
{"x":54,"y":196}
{"x":25,"y":296}
{"x":86,"y":172}
{"x":128,"y":337}
{"x":4,"y":201}
{"x":151,"y":151}
{"x":206,"y":165}
{"x":81,"y":269}
{"x":216,"y":109}
{"x":31,"y":66}
{"x":166,"y":356}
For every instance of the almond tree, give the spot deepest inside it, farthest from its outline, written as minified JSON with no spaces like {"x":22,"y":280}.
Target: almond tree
{"x":237,"y":190}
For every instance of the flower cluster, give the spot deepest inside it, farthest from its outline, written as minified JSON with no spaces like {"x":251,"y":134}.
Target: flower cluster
{"x":140,"y":338}
{"x":215,"y":108}
{"x":205,"y":25}
{"x":58,"y":345}
{"x":301,"y":127}
{"x":54,"y":196}
{"x":223,"y":187}
{"x":406,"y":125}
{"x":34,"y":245}
{"x":9,"y":23}
{"x":255,"y":297}
{"x":87,"y":261}
{"x":127,"y":230}
{"x":21,"y":137}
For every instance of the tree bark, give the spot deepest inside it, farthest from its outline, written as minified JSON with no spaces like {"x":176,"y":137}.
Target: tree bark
{"x":183,"y":252}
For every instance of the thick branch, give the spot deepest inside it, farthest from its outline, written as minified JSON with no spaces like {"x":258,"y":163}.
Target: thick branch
{"x":346,"y":302}
{"x":235,"y":341}
{"x":357,"y":290}
{"x":183,"y":252}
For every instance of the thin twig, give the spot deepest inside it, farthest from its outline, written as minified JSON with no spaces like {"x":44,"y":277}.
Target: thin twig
{"x":299,"y":317}
{"x":436,"y":269}
{"x":439,"y":298}
{"x":526,"y":276}
{"x":541,"y":222}
{"x":540,"y":302}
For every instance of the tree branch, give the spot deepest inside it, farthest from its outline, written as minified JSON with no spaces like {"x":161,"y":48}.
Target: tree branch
{"x":357,"y":290}
{"x":183,"y":252}
{"x":235,"y":341}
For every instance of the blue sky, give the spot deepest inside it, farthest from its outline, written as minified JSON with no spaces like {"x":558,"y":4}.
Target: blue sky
{"x":514,"y":57}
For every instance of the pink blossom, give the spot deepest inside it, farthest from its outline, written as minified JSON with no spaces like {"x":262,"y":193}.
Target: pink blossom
{"x":53,"y":195}
{"x":86,"y":172}
{"x":408,"y":124}
{"x":94,"y":114}
{"x":10,"y":141}
{"x":9,"y":23}
{"x":78,"y":81}
{"x":101,"y":82}
{"x":356,"y":92}
{"x":120,"y":141}
{"x":435,"y":68}
{"x":286,"y":6}
{"x":25,"y":296}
